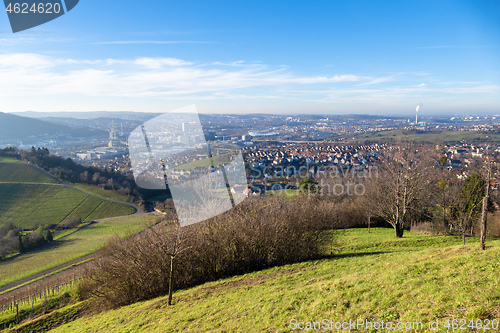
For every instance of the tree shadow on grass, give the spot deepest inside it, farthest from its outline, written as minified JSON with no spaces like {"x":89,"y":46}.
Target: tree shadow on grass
{"x":353,"y":254}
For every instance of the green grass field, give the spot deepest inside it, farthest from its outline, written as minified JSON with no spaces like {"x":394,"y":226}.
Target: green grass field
{"x":372,"y":277}
{"x":286,"y":193}
{"x":77,"y":245}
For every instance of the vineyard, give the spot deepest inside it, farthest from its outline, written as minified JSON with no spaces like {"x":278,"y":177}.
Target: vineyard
{"x":11,"y":170}
{"x":36,"y":298}
{"x":108,"y":208}
{"x":102,"y":193}
{"x":28,"y":197}
{"x":27,"y":204}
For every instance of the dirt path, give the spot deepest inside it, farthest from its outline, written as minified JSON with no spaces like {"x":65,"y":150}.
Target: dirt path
{"x":48,"y":271}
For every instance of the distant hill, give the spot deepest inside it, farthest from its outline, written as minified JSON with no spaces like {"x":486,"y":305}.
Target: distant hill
{"x":17,"y":127}
{"x":130,"y":115}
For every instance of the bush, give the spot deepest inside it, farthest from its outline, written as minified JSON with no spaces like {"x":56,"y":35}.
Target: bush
{"x":9,"y":239}
{"x":73,"y":222}
{"x":493,"y":225}
{"x":35,"y":239}
{"x":13,"y":241}
{"x":32,"y":240}
{"x":258,"y":233}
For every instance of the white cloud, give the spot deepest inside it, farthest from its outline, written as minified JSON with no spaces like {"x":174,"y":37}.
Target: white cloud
{"x":29,"y":80}
{"x":16,"y":61}
{"x":155,"y":63}
{"x":141,"y":77}
{"x":127,"y":42}
{"x":380,"y":80}
{"x":17,"y":41}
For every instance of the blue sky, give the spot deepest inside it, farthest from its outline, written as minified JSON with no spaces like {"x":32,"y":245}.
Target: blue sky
{"x":377,"y":57}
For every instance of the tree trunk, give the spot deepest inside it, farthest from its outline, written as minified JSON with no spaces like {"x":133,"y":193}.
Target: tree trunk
{"x":170,"y":278}
{"x":484,"y":211}
{"x":369,"y":224}
{"x":399,"y":230}
{"x":463,"y":236}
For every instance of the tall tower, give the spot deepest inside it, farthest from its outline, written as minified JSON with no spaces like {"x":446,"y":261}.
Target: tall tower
{"x":112,"y":133}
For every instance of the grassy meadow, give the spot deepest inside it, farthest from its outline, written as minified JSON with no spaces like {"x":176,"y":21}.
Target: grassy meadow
{"x":74,"y":246}
{"x":372,"y":277}
{"x":288,"y":193}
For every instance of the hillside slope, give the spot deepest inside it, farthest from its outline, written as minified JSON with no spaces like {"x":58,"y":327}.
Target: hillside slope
{"x":17,"y":127}
{"x":28,"y":196}
{"x":373,"y":277}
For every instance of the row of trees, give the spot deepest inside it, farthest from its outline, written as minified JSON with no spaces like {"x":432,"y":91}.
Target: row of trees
{"x":412,"y":185}
{"x":417,"y":186}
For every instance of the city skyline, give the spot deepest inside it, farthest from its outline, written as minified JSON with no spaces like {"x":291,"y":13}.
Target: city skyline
{"x":281,"y":57}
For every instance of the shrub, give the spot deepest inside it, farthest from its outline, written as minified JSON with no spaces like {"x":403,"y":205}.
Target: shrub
{"x":258,"y":233}
{"x":73,"y":222}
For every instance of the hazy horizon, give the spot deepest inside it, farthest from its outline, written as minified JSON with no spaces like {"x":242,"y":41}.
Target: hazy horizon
{"x":421,"y":113}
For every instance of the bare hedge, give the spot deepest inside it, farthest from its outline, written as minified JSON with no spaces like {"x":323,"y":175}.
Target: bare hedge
{"x":257,"y":234}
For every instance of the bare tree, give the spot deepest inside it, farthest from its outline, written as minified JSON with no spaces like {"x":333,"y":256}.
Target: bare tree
{"x":171,"y":244}
{"x":366,"y":206}
{"x":402,"y":187}
{"x":468,"y":205}
{"x":484,"y":210}
{"x":447,"y":193}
